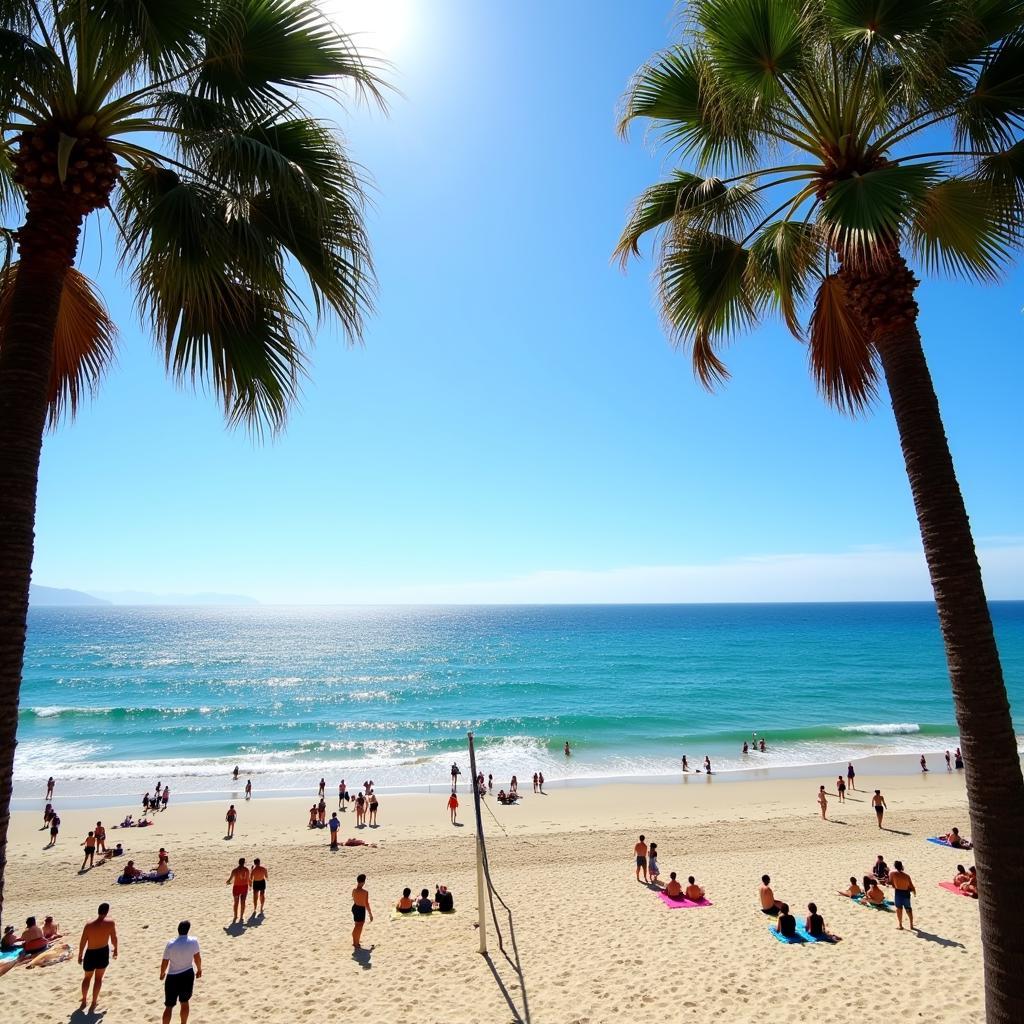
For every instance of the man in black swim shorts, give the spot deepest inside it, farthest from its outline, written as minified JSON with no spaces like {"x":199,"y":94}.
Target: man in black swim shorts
{"x":98,"y":938}
{"x":179,"y":969}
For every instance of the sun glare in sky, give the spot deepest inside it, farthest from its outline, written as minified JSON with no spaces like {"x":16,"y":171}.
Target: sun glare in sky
{"x":381,"y":27}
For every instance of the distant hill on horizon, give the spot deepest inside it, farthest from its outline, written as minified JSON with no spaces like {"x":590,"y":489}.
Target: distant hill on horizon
{"x":55,"y":597}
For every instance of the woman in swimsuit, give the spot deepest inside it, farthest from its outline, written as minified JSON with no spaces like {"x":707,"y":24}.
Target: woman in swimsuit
{"x":360,"y":810}
{"x":815,"y":925}
{"x":872,"y":893}
{"x":961,"y":875}
{"x":405,"y":904}
{"x":373,"y":807}
{"x":852,"y":890}
{"x":841,"y":789}
{"x":239,"y":882}
{"x":652,"y":862}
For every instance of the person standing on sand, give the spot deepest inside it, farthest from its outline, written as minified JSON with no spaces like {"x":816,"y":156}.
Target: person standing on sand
{"x":949,"y":766}
{"x":686,"y":766}
{"x":453,"y":805}
{"x":455,"y":777}
{"x":166,"y":797}
{"x":903,"y":885}
{"x":640,"y":851}
{"x":230,"y":818}
{"x":258,"y":875}
{"x":822,"y":801}
{"x":321,"y":810}
{"x":540,"y":781}
{"x":535,"y":782}
{"x":374,"y":804}
{"x":239,"y":882}
{"x":178,"y":973}
{"x":90,"y":851}
{"x":958,"y":760}
{"x":323,"y":788}
{"x":878,"y":802}
{"x":334,"y":824}
{"x":54,"y":829}
{"x":924,"y":764}
{"x":101,"y":837}
{"x":49,"y":788}
{"x":850,"y":776}
{"x":341,"y":794}
{"x":360,"y":908}
{"x":841,"y":789}
{"x":248,"y":789}
{"x":99,"y":939}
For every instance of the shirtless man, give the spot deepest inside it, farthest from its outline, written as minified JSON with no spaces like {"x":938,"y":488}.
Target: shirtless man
{"x":239,"y":882}
{"x":640,"y":850}
{"x":323,"y":787}
{"x":673,"y":889}
{"x":903,"y":885}
{"x":360,"y":908}
{"x":90,"y":851}
{"x":822,"y":801}
{"x":231,"y":817}
{"x":694,"y":892}
{"x":101,"y":837}
{"x":878,"y":802}
{"x":99,"y":939}
{"x":259,"y":886}
{"x":769,"y":904}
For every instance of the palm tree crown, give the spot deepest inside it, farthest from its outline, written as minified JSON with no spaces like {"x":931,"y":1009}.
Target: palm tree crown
{"x":239,"y":215}
{"x":827,"y":138}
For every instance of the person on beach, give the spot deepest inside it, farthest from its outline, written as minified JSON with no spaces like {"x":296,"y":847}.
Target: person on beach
{"x":455,"y":777}
{"x":98,"y":942}
{"x":145,"y":801}
{"x":970,"y":884}
{"x":179,"y":969}
{"x":323,"y":788}
{"x":769,"y":904}
{"x":230,"y":818}
{"x":49,"y":788}
{"x":166,"y":796}
{"x":444,"y":899}
{"x":248,"y":789}
{"x":841,"y":789}
{"x":958,"y":760}
{"x":814,"y":925}
{"x":130,"y":872}
{"x":234,"y":774}
{"x":746,"y":749}
{"x":163,"y":867}
{"x":312,"y":817}
{"x":568,"y":752}
{"x":850,"y":776}
{"x":924,"y":764}
{"x":881,"y":870}
{"x":405,"y":904}
{"x":540,"y":781}
{"x":694,"y":893}
{"x":949,"y":766}
{"x":258,"y":876}
{"x":535,"y":782}
{"x":652,"y":863}
{"x":47,"y":815}
{"x":955,"y":840}
{"x":513,"y":786}
{"x":342,"y":796}
{"x":90,"y":851}
{"x":374,"y":804}
{"x":761,"y":746}
{"x":101,"y":837}
{"x":878,"y":802}
{"x":334,"y":824}
{"x":32,"y":938}
{"x":961,"y":876}
{"x":822,"y":801}
{"x":673,"y":889}
{"x":360,"y":909}
{"x":51,"y":930}
{"x":490,"y":782}
{"x":9,"y":942}
{"x":424,"y":905}
{"x":239,"y":882}
{"x":786,"y":924}
{"x":686,"y":766}
{"x":872,"y":891}
{"x":707,"y":764}
{"x":640,"y":852}
{"x":903,"y":886}
{"x":852,"y":890}
{"x":453,"y":806}
{"x":321,"y":810}
{"x":54,"y":830}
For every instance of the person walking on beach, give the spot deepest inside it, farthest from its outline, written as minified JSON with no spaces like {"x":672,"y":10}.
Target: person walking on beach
{"x":239,"y":882}
{"x":924,"y":764}
{"x":90,"y":851}
{"x":360,"y":908}
{"x":248,"y":789}
{"x":822,"y":801}
{"x":166,"y":797}
{"x":707,"y":764}
{"x":903,"y":885}
{"x":341,"y":795}
{"x":323,"y":787}
{"x":54,"y":829}
{"x":686,"y":766}
{"x":453,"y":805}
{"x":535,"y":782}
{"x":540,"y":781}
{"x":878,"y":802}
{"x":98,"y":941}
{"x":455,"y":777}
{"x":230,"y":818}
{"x":179,"y":969}
{"x":49,"y":788}
{"x":841,"y":789}
{"x":101,"y":837}
{"x":334,"y":824}
{"x":640,"y":851}
{"x":949,"y":766}
{"x":258,"y":876}
{"x":850,"y":776}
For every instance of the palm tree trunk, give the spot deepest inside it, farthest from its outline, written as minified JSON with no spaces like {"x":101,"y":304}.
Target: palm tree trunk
{"x":47,"y":245}
{"x":995,"y":787}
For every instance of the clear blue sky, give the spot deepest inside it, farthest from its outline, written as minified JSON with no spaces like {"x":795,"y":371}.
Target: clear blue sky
{"x":516,"y":426}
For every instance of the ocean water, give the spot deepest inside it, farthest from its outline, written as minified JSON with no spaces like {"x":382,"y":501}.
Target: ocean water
{"x":114,"y":698}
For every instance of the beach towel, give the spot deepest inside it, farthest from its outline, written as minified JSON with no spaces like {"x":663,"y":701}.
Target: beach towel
{"x":146,"y":876}
{"x":10,"y":954}
{"x":940,"y":841}
{"x":884,"y":905}
{"x":683,"y":903}
{"x":55,"y":953}
{"x":397,"y":916}
{"x":790,"y":940}
{"x":950,"y":887}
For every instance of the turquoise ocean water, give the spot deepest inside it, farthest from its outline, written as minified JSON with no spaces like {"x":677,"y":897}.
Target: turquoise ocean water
{"x":115,"y":697}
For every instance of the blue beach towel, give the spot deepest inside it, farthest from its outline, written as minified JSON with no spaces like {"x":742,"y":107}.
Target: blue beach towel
{"x":939,"y":841}
{"x":148,"y":876}
{"x":10,"y":954}
{"x":789,"y":940}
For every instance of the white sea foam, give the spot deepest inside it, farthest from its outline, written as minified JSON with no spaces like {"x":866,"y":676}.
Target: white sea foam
{"x":884,"y":729}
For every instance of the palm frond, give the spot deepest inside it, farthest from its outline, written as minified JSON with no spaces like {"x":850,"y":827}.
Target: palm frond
{"x":83,"y":343}
{"x":786,"y":258}
{"x":992,"y":113}
{"x":843,"y":362}
{"x":890,"y":21}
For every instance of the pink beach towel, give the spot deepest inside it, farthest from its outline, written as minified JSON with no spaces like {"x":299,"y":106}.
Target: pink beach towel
{"x":677,"y":904}
{"x":955,"y":889}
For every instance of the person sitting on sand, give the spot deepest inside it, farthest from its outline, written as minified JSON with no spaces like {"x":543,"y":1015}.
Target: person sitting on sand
{"x":358,"y":842}
{"x":852,"y":890}
{"x":769,"y":904}
{"x":971,"y":885}
{"x":502,"y":797}
{"x":673,"y":890}
{"x":961,"y":875}
{"x":312,"y":817}
{"x":405,"y":904}
{"x":872,"y":892}
{"x":10,"y":940}
{"x":814,"y":925}
{"x":786,"y":925}
{"x":955,"y":840}
{"x":444,"y":899}
{"x":51,"y":929}
{"x":127,"y":823}
{"x":881,"y":870}
{"x":425,"y":905}
{"x":32,"y":938}
{"x":163,"y":868}
{"x":694,"y":893}
{"x":131,"y":872}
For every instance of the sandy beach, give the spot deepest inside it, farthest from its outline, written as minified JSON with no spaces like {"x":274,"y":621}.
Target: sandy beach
{"x":595,"y":946}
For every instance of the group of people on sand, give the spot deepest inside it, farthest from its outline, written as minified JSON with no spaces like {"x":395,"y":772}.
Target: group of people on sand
{"x":707,"y":765}
{"x":442,"y":901}
{"x":240,"y":880}
{"x":966,"y":880}
{"x":131,"y":873}
{"x":34,"y":939}
{"x":869,"y":889}
{"x":785,"y":921}
{"x":158,"y":800}
{"x":646,"y":856}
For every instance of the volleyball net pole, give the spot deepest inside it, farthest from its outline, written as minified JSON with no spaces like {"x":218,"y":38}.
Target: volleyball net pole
{"x":481,"y":895}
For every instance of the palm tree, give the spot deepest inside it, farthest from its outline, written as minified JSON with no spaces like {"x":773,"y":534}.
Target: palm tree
{"x":238,"y":216}
{"x":825,"y":142}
